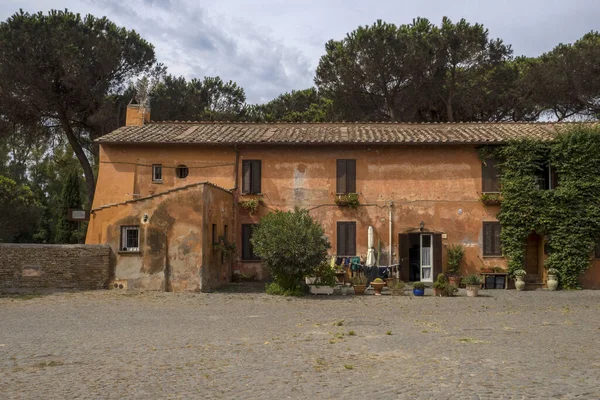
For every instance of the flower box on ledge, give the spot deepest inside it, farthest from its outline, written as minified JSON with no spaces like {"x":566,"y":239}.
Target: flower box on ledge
{"x":491,"y":199}
{"x":347,"y":200}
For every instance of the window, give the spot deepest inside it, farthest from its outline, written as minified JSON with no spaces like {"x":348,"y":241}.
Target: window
{"x":251,"y":176}
{"x":490,"y":175}
{"x":156,"y":172}
{"x":130,"y":238}
{"x":491,"y":239}
{"x":597,"y":251}
{"x":346,"y":176}
{"x":247,"y":249}
{"x":346,"y":238}
{"x":181,"y":171}
{"x":547,"y":177}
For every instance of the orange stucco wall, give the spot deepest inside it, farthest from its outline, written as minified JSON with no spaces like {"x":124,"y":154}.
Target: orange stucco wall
{"x":125,"y":172}
{"x":175,"y":246}
{"x":439,"y":185}
{"x":429,"y":184}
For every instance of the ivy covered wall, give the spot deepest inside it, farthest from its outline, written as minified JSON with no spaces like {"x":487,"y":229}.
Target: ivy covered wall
{"x":568,"y":216}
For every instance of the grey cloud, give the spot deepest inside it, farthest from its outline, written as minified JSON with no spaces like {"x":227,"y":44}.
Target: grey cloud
{"x":273,"y":46}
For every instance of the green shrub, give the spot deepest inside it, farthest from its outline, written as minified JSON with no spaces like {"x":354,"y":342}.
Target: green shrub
{"x":449,"y":290}
{"x":359,"y":279}
{"x":455,"y":254}
{"x":418,"y":285}
{"x":325,"y":275}
{"x":274,"y":289}
{"x":291,"y":245}
{"x":472,"y":280}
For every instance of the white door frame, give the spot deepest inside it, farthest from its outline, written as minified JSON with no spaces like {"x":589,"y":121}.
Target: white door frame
{"x":430,"y":257}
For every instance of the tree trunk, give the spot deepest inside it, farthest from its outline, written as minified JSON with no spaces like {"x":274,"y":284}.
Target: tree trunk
{"x":83,"y":160}
{"x":449,"y":113}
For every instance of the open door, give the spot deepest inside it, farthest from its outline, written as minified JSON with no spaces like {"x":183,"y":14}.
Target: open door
{"x":404,"y":244}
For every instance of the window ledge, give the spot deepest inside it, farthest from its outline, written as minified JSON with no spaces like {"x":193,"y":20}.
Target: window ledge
{"x":129,"y":252}
{"x":159,"y":182}
{"x":252,"y":194}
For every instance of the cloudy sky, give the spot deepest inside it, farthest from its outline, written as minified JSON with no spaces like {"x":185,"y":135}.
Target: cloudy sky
{"x":273,"y":46}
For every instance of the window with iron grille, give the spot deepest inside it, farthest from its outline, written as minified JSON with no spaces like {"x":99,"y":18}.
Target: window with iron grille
{"x":345,"y":176}
{"x":247,"y":248}
{"x":130,"y":238}
{"x":251,"y":176}
{"x":157,"y":173}
{"x":491,"y":239}
{"x":182,"y":171}
{"x":346,"y":238}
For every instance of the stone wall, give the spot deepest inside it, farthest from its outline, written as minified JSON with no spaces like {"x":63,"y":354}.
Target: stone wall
{"x":41,"y":266}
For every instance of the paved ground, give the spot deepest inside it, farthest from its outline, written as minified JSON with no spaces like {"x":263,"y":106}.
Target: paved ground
{"x":505,"y":344}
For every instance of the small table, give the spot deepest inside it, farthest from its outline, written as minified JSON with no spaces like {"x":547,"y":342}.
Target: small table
{"x":495,"y":275}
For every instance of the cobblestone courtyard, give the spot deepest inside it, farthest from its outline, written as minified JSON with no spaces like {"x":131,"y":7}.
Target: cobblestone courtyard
{"x":106,"y":344}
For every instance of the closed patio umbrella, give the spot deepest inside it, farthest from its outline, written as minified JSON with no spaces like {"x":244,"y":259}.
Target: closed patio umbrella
{"x":371,"y":250}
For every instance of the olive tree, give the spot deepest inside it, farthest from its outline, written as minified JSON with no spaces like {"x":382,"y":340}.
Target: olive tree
{"x":291,"y":245}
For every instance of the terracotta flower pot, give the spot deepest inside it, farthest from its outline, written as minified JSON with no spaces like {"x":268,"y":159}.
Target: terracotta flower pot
{"x":437,"y":292}
{"x":359,"y":289}
{"x":454,"y":281}
{"x":378,"y":287}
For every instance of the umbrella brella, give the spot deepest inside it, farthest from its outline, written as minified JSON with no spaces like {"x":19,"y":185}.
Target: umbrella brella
{"x":371,"y":250}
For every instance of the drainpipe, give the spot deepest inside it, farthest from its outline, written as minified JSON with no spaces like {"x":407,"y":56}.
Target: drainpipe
{"x":390,"y":249}
{"x":234,"y":231}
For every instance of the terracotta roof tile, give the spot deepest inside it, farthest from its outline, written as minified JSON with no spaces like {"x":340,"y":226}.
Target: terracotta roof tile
{"x":330,"y":133}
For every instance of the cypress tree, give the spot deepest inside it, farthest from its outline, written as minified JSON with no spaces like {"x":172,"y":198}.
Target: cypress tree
{"x":67,"y":231}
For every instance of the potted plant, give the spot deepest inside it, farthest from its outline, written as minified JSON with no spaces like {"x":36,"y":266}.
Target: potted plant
{"x":347,"y":200}
{"x":359,"y":283}
{"x":491,"y":199}
{"x":455,"y":254}
{"x":486,"y":269}
{"x":520,"y":282}
{"x":418,"y":289}
{"x":396,"y":288}
{"x":439,"y":286}
{"x":378,"y":285}
{"x":552,"y":281}
{"x":449,"y":290}
{"x":472,"y":283}
{"x":324,"y":280}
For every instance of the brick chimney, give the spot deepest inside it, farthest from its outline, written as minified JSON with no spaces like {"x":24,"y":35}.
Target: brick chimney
{"x":137,"y":115}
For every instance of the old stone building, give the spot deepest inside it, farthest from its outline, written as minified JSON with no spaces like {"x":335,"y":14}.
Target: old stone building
{"x":167,"y":191}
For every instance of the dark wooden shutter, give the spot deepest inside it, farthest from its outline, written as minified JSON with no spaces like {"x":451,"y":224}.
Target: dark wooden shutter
{"x":437,"y":254}
{"x":256,"y":176}
{"x":403,"y":245}
{"x":350,"y":176}
{"x":351,"y":235}
{"x":246,"y":176}
{"x":341,"y":239}
{"x":491,"y":239}
{"x":490,"y":175}
{"x":597,"y":251}
{"x":245,"y":242}
{"x":340,"y":186}
{"x":487,"y":238}
{"x":497,"y":245}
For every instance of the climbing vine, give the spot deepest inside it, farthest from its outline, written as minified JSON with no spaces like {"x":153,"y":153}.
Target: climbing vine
{"x":568,"y":216}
